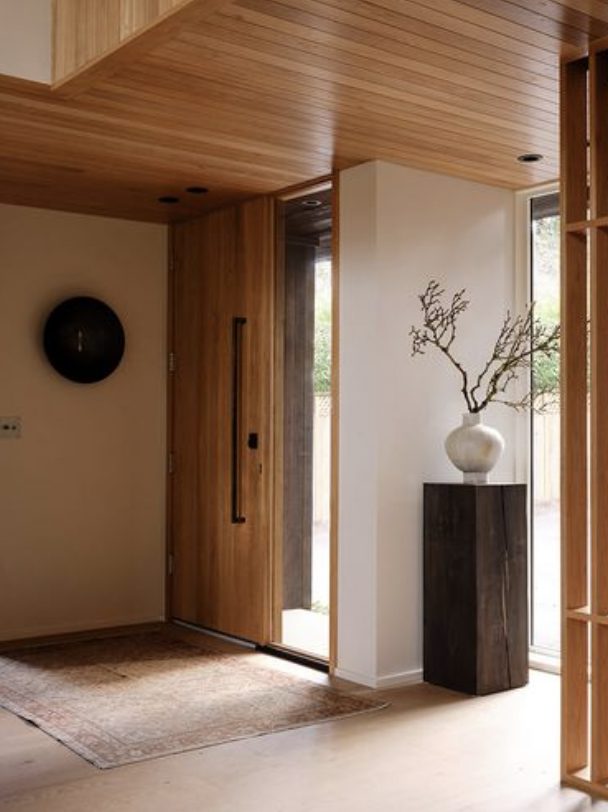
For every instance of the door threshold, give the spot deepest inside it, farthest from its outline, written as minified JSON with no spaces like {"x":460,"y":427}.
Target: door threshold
{"x":295,"y":656}
{"x":272,"y":649}
{"x":227,"y":638}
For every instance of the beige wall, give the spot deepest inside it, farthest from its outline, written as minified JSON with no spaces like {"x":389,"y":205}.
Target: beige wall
{"x":25,"y":39}
{"x":82,"y":494}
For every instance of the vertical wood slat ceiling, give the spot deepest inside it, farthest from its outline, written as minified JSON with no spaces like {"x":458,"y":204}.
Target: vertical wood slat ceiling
{"x":268,"y":93}
{"x":101,"y":25}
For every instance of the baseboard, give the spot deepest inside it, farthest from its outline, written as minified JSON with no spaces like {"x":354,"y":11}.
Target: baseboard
{"x":544,"y":662}
{"x":89,"y":633}
{"x":398,"y":680}
{"x":401,"y":679}
{"x":354,"y":676}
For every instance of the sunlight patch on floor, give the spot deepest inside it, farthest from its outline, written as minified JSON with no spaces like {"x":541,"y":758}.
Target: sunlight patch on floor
{"x":306,"y":631}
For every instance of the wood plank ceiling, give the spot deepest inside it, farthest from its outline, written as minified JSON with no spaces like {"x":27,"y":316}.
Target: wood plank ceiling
{"x":269,"y":93}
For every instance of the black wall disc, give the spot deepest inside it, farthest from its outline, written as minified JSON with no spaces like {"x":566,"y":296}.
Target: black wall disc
{"x":84,"y":339}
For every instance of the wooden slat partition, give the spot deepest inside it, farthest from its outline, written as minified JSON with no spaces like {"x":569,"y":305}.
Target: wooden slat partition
{"x":574,"y":416}
{"x":584,"y":174}
{"x":598,"y":91}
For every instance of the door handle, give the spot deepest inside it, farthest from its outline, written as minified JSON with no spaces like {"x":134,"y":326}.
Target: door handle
{"x":238,"y":325}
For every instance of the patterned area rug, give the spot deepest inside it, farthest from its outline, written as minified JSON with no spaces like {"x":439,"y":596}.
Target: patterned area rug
{"x":126,"y":699}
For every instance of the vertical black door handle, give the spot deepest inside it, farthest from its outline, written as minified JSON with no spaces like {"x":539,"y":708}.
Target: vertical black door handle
{"x":238,"y":324}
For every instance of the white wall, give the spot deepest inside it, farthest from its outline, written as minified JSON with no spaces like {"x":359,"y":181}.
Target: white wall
{"x":82,"y":494}
{"x":399,"y":228}
{"x":25,"y":39}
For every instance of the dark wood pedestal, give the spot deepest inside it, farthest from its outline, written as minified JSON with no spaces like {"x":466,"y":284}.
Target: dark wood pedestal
{"x":475,"y":587}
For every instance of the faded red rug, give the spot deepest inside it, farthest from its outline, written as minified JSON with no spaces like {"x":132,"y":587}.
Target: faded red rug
{"x":126,"y":699}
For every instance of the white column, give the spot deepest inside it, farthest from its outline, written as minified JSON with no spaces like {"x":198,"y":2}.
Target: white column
{"x":399,"y":228}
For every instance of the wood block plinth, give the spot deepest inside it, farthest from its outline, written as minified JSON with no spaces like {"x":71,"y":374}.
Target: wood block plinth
{"x":475,"y":587}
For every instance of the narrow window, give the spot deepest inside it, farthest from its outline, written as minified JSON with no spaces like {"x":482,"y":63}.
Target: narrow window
{"x":545,"y":430}
{"x":305,"y":228}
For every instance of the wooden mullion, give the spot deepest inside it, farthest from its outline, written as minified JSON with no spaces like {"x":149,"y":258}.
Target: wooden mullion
{"x":575,"y":697}
{"x":574,"y":503}
{"x":599,"y":703}
{"x":598,"y":94}
{"x":574,"y":421}
{"x":574,"y":141}
{"x":574,"y":333}
{"x":575,"y":721}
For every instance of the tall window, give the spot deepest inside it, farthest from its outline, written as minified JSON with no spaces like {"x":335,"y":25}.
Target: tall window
{"x":545,"y":479}
{"x":306,"y":250}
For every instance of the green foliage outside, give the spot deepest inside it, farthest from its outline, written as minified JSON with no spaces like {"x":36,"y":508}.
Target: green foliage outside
{"x":545,"y":370}
{"x":322,"y":373}
{"x":322,"y":361}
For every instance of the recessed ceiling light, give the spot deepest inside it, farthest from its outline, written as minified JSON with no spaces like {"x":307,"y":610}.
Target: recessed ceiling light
{"x":530,"y":158}
{"x":168,"y":199}
{"x":197,"y":190}
{"x":311,"y":204}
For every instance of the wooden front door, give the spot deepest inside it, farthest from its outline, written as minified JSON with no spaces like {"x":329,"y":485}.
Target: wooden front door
{"x":223,"y":288}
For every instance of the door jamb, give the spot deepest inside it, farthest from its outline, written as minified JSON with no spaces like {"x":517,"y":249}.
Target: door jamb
{"x":170,"y":372}
{"x":276,"y":580}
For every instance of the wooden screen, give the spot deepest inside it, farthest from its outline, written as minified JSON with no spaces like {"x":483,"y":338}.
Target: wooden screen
{"x":584,"y":205}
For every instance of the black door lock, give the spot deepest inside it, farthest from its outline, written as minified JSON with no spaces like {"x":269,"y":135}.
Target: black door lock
{"x":252,"y":441}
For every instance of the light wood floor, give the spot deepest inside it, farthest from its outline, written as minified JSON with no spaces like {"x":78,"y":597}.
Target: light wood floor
{"x":431,"y":750}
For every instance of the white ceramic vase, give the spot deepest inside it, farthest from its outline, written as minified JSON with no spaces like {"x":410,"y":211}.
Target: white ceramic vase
{"x":474,"y":449}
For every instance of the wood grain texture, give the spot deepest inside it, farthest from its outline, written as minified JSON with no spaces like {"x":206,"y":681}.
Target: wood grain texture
{"x":502,"y":573}
{"x":598,"y":94}
{"x":83,"y":30}
{"x":224,"y":268}
{"x":88,"y":31}
{"x":574,"y":406}
{"x":450,"y":588}
{"x":255,"y":299}
{"x":475,"y":587}
{"x":584,"y":386}
{"x":132,"y":45}
{"x":575,"y":696}
{"x":574,"y":332}
{"x":574,"y":564}
{"x":257,"y":95}
{"x":276,"y":546}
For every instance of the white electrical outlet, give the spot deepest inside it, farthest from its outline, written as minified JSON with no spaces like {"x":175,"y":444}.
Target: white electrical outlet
{"x":10,"y":428}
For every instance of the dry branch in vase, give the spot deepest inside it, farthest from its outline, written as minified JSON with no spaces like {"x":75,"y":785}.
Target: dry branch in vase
{"x":520,"y":340}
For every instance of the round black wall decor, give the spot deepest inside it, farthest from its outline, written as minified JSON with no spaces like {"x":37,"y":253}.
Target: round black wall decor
{"x":84,"y":339}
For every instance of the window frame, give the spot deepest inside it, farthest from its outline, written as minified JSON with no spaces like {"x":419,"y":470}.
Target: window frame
{"x":540,"y":658}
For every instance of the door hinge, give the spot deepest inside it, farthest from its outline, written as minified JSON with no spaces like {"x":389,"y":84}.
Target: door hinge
{"x":171,"y":463}
{"x":170,"y":564}
{"x":171,"y":362}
